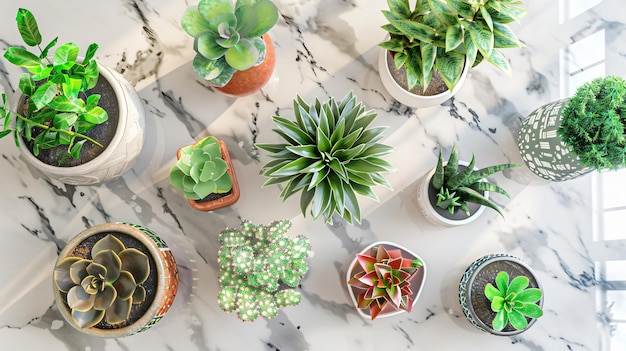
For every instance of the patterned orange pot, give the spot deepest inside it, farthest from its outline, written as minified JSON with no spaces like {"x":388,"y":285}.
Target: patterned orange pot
{"x":251,"y":80}
{"x":161,"y":285}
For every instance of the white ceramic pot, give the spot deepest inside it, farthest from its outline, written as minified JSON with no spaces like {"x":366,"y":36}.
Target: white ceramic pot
{"x":121,"y":153}
{"x":441,"y":216}
{"x":407,"y":98}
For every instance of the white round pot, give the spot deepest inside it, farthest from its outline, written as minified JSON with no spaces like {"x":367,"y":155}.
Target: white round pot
{"x":119,"y":155}
{"x":408,"y":98}
{"x":441,"y":216}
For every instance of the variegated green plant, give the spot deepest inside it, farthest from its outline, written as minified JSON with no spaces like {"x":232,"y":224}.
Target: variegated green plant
{"x":259,"y":268}
{"x":329,"y":155}
{"x":58,"y":110}
{"x":457,"y":187}
{"x":200,"y":170}
{"x":227,"y":36}
{"x":105,"y":285}
{"x":439,"y":35}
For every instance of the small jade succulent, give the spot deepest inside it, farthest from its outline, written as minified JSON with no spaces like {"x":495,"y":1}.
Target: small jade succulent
{"x":200,"y":170}
{"x":329,"y":155}
{"x":227,"y":36}
{"x":457,"y":188}
{"x":105,"y":286}
{"x":259,"y":267}
{"x":513,"y":302}
{"x":386,"y":280}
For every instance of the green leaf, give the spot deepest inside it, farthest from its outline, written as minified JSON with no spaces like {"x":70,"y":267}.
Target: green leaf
{"x":502,"y":282}
{"x":497,"y":303}
{"x":96,"y":115}
{"x":64,"y":120}
{"x":292,"y":168}
{"x":91,"y":52}
{"x":246,"y":19}
{"x":44,"y":94}
{"x":470,"y":195}
{"x":210,"y":9}
{"x":400,"y":7}
{"x":531,"y":295}
{"x":450,"y":66}
{"x":491,"y":292}
{"x":76,"y":148}
{"x":497,"y":59}
{"x":429,"y":54}
{"x":44,"y":52}
{"x":65,"y":56}
{"x":463,"y":8}
{"x":531,"y":310}
{"x":351,"y":203}
{"x":517,"y":320}
{"x":63,"y":103}
{"x":27,"y":26}
{"x":482,"y":37}
{"x":518,"y":284}
{"x":454,"y":36}
{"x":485,"y":186}
{"x":267,"y":16}
{"x":291,"y":129}
{"x":206,"y":45}
{"x":500,"y":320}
{"x":26,"y":84}
{"x":22,"y":58}
{"x":487,"y":17}
{"x":242,"y":55}
{"x":308,"y":151}
{"x":321,"y":200}
{"x":415,"y":30}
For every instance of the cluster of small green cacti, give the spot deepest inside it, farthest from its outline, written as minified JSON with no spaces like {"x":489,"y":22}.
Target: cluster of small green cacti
{"x":105,"y":286}
{"x":200,"y":170}
{"x":259,"y":265}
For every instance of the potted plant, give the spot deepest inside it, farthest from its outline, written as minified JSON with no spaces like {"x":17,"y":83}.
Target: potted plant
{"x":508,"y":308}
{"x":456,"y":193}
{"x":329,"y":155}
{"x":233,"y":51}
{"x":431,"y":47}
{"x":571,"y":137}
{"x":75,"y":120}
{"x":259,"y":268}
{"x":385,"y":279}
{"x":115,"y":280}
{"x":205,"y":174}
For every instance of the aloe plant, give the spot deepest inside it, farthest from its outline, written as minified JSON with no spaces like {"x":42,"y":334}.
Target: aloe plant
{"x":593,"y":123}
{"x":512,"y":301}
{"x":105,"y":285}
{"x":385,"y":279}
{"x":58,"y":109}
{"x":200,"y":170}
{"x":227,"y":36}
{"x":438,"y":35}
{"x":259,"y":268}
{"x":455,"y":187}
{"x":329,"y":155}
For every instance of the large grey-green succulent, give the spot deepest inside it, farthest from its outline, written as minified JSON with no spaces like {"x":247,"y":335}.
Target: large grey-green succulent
{"x":105,"y":286}
{"x":328,"y":154}
{"x":227,"y":36}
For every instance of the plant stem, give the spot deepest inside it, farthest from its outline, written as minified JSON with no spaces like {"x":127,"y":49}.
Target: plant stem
{"x":68,"y":132}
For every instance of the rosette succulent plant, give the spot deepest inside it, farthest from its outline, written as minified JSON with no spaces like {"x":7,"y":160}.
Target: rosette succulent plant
{"x":513,"y":302}
{"x":259,"y":267}
{"x":57,"y":110}
{"x":104,"y":286}
{"x":593,"y":123}
{"x":227,"y":36}
{"x":200,"y":170}
{"x":438,"y":35}
{"x":385,"y":279}
{"x":328,"y":154}
{"x":458,"y":187}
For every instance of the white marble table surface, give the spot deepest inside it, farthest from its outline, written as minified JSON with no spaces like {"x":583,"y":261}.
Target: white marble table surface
{"x":324,"y":48}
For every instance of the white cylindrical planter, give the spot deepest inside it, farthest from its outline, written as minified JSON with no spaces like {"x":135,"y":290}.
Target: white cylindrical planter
{"x":121,"y":153}
{"x":407,"y":98}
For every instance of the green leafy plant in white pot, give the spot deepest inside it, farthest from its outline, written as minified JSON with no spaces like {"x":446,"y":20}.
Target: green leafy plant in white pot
{"x":571,"y":137}
{"x":74,"y":119}
{"x":456,"y":192}
{"x":432,"y":45}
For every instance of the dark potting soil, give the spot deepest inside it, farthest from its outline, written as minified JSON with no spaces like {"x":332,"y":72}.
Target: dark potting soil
{"x":103,"y":133}
{"x":137,"y":310}
{"x":214,"y":196}
{"x":487,"y":274}
{"x":436,"y":86}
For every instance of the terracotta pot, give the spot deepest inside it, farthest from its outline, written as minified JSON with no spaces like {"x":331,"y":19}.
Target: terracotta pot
{"x":417,"y":283}
{"x":220,"y":200}
{"x":427,"y":199}
{"x":253,"y":79}
{"x":475,"y":306}
{"x":120,"y":154}
{"x":161,"y":285}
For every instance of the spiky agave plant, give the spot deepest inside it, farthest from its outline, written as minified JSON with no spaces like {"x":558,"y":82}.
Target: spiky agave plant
{"x":259,"y":268}
{"x":105,"y":286}
{"x":328,"y":154}
{"x":385,"y":279}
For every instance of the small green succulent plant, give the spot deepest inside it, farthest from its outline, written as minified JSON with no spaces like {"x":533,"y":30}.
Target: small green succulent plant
{"x":455,"y":187}
{"x":227,"y":36}
{"x":593,"y":123}
{"x":385,"y":279}
{"x":328,"y":154}
{"x":58,"y":110}
{"x":200,"y":170}
{"x":105,"y":285}
{"x":439,"y":35}
{"x":513,"y":302}
{"x":259,"y":267}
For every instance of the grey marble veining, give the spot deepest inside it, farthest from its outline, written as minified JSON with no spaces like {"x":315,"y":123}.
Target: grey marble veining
{"x":324,"y":48}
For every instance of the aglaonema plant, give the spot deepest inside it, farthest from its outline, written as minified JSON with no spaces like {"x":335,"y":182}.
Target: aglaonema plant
{"x":104,"y":286}
{"x":57,"y":109}
{"x":513,"y":301}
